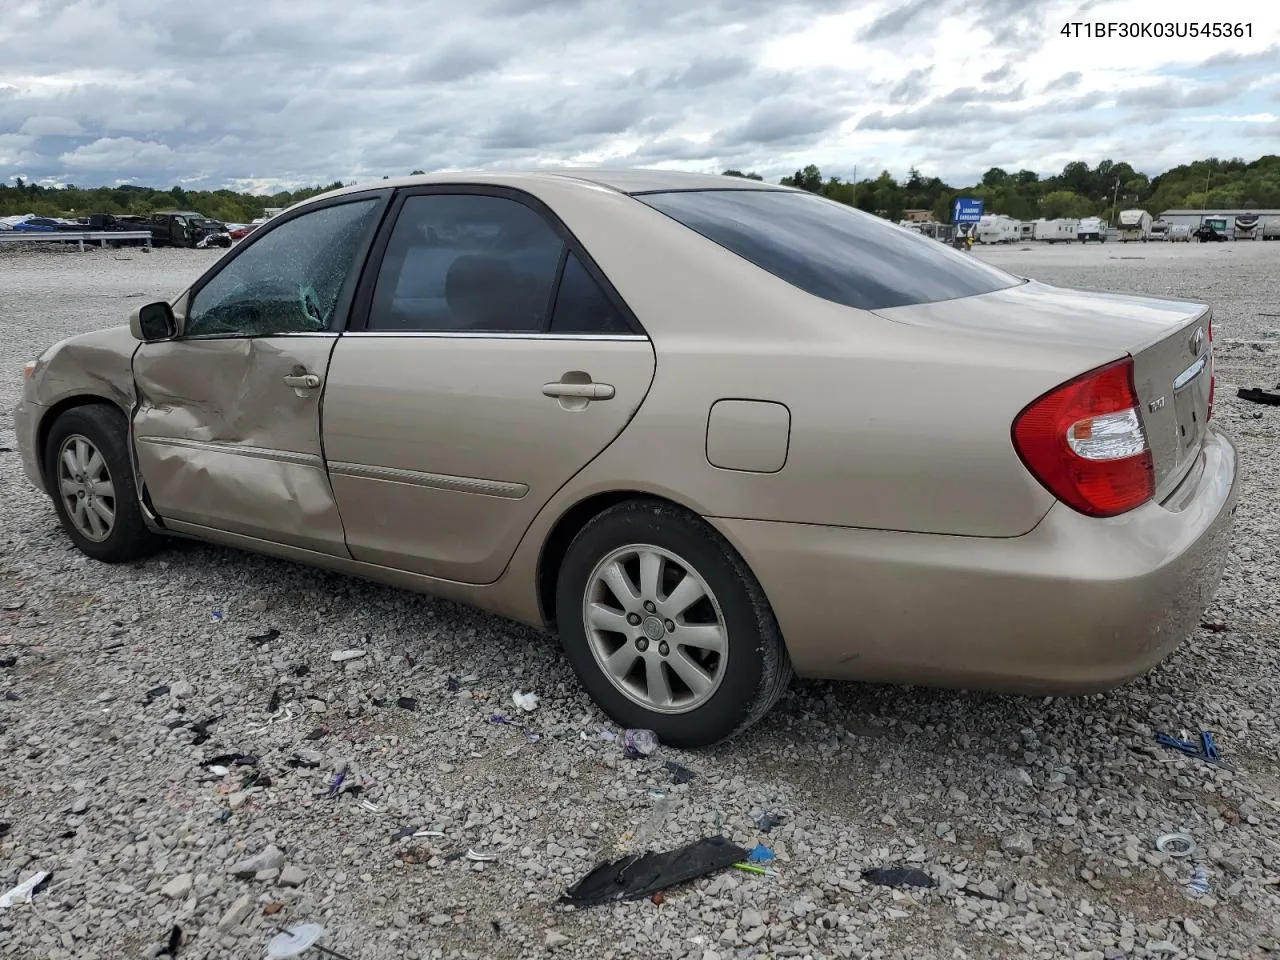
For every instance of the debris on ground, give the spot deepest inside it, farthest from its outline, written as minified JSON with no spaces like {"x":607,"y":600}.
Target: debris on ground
{"x":1176,"y":844}
{"x":1256,"y":395}
{"x":636,"y":877}
{"x":342,"y":656}
{"x":1198,"y":885}
{"x":407,"y":703}
{"x":261,"y":638}
{"x":270,"y":858}
{"x":296,"y":940}
{"x":155,"y":693}
{"x":639,"y":743}
{"x":1206,"y":749}
{"x":766,"y":822}
{"x":528,"y":702}
{"x":760,"y":854}
{"x":679,"y":774}
{"x":24,"y":891}
{"x":1018,"y":844}
{"x":899,"y":877}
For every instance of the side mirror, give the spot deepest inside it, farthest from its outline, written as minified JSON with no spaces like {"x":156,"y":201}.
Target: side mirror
{"x":153,"y":321}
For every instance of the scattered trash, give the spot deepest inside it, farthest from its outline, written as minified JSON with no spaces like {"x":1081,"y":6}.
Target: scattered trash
{"x":234,"y":759}
{"x":261,"y":638}
{"x":4,"y":830}
{"x":201,"y":729}
{"x":296,"y":940}
{"x":1176,"y":844}
{"x":256,"y":778}
{"x":407,"y":703}
{"x":679,"y":774}
{"x":173,"y":943}
{"x":760,"y":854}
{"x":898,"y":877}
{"x":274,"y":703}
{"x":477,"y":856}
{"x":1255,"y":395}
{"x":23,"y":892}
{"x":768,"y":821}
{"x":639,"y":743}
{"x":528,"y":702}
{"x":636,"y":877}
{"x":319,"y":733}
{"x":453,"y":684}
{"x":218,"y":771}
{"x":341,"y":656}
{"x":607,"y":735}
{"x":305,"y":758}
{"x":269,"y":858}
{"x":275,"y":906}
{"x":335,"y":787}
{"x":301,"y":670}
{"x":372,"y":808}
{"x":1206,"y":749}
{"x":10,"y":661}
{"x":155,"y":693}
{"x":217,"y":616}
{"x":1213,"y":627}
{"x":656,"y":794}
{"x":429,"y":833}
{"x":1198,"y":885}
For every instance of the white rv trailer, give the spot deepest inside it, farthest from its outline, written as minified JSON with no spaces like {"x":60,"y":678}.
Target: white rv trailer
{"x":1134,"y":225}
{"x":997,"y":228}
{"x":1060,"y":230}
{"x":1091,"y":228}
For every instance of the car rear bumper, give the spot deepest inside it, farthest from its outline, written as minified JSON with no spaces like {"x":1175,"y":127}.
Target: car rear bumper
{"x":1076,"y":605}
{"x":26,"y":422}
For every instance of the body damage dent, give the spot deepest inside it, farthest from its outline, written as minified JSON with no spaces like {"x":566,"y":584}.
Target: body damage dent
{"x":222,"y":442}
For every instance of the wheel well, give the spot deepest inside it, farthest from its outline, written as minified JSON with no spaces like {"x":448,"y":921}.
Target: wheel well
{"x":562,"y":534}
{"x":58,"y":409}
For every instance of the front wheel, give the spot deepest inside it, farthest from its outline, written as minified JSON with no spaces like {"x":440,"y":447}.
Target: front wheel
{"x":89,"y":476}
{"x":666,"y":627}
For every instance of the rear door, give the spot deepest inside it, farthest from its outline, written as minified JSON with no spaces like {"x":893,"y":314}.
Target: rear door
{"x":489,"y":361}
{"x":227,"y":425}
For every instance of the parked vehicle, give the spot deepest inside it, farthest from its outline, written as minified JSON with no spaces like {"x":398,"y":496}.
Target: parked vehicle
{"x":1092,"y":228}
{"x":997,"y":228}
{"x":1179,"y":233}
{"x":1247,"y":226}
{"x":1133,"y":225}
{"x":1211,"y":231}
{"x":1159,"y":230}
{"x":1056,"y":231}
{"x":625,"y":414}
{"x":1271,"y":228}
{"x":1027,"y":230}
{"x":183,"y":228}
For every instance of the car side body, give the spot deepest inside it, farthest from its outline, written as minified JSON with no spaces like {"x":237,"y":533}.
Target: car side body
{"x":859,"y":461}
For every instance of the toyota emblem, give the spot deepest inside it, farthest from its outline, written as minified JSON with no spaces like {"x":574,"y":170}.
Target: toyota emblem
{"x":1197,"y":342}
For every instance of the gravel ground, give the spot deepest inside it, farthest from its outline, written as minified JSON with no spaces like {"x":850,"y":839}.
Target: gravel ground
{"x":1038,"y":818}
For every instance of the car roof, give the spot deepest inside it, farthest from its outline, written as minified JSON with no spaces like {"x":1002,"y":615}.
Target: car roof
{"x":623,"y":180}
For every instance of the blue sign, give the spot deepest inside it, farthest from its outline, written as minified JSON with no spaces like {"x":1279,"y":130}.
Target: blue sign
{"x":966,"y":210}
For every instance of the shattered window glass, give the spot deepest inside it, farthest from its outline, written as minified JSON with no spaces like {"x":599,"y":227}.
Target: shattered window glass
{"x":460,"y":262}
{"x":288,"y":280}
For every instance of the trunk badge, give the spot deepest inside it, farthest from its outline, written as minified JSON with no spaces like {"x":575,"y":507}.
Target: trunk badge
{"x":1197,"y":342}
{"x":1156,"y":404}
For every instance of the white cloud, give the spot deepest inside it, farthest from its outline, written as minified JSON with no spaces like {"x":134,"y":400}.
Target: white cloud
{"x":269,"y":94}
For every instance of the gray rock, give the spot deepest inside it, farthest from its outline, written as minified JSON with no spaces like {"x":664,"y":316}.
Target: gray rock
{"x":441,"y":920}
{"x":80,"y":805}
{"x":554,"y":939}
{"x":178,"y":887}
{"x":269,"y":858}
{"x":750,"y":918}
{"x":236,"y":914}
{"x":292,"y":876}
{"x":1192,"y":928}
{"x":1018,"y":844}
{"x":181,"y":690}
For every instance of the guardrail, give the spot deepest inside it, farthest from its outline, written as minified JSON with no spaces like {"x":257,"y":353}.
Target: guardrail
{"x":67,"y":236}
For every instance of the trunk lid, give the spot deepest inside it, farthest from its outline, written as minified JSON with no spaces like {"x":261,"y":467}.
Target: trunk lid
{"x":1168,"y":340}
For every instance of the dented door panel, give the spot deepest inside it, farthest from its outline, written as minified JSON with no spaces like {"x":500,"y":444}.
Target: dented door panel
{"x":224,"y":441}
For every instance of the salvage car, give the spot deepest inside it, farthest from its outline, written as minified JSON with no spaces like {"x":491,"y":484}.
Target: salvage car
{"x":713,"y":433}
{"x":184,"y":228}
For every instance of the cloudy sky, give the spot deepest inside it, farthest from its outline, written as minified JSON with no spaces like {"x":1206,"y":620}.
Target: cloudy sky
{"x":266,"y":94}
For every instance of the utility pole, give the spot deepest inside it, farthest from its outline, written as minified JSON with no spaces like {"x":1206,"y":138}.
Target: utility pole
{"x":1204,"y":205}
{"x":1114,"y":197}
{"x":853,"y":194}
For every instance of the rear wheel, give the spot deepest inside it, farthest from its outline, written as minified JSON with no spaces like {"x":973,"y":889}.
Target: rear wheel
{"x":90,"y":478}
{"x":666,"y":626}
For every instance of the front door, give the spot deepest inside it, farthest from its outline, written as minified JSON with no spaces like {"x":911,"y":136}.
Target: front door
{"x":227,"y":426}
{"x":495,"y":363}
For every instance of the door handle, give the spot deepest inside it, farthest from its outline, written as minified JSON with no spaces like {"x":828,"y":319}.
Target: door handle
{"x":302,"y":381}
{"x":581,"y":391}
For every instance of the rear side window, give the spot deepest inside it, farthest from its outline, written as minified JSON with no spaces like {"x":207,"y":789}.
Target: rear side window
{"x":581,"y":306}
{"x":831,"y":250}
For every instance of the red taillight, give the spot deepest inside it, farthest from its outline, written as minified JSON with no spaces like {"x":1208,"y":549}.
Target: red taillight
{"x":1209,"y":415}
{"x":1085,"y":442}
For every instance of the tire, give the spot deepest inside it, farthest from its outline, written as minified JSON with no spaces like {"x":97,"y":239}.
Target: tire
{"x":105,"y":431}
{"x":748,"y":679}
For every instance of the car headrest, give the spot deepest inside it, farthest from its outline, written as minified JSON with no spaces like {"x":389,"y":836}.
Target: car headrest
{"x":482,"y":291}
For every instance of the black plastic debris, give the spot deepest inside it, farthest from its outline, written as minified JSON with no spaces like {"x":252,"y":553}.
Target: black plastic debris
{"x":10,"y":661}
{"x":201,"y":729}
{"x":261,"y":638}
{"x":173,"y":943}
{"x":256,"y":778}
{"x":1254,"y":395}
{"x":453,"y":685}
{"x":319,"y":733}
{"x":380,"y":702}
{"x":407,"y":703}
{"x":301,"y":670}
{"x":768,"y":821}
{"x":68,"y":834}
{"x":899,"y":877}
{"x":5,"y":828}
{"x":175,"y":724}
{"x":679,"y":774}
{"x":274,"y":703}
{"x":232,"y":759}
{"x":405,"y":832}
{"x":155,"y":693}
{"x":636,"y":877}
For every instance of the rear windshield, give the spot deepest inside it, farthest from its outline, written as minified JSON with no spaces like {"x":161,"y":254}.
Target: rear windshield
{"x":831,"y":250}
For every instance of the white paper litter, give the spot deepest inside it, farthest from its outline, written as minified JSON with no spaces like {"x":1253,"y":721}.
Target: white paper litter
{"x":294,"y":941}
{"x":22,"y":892}
{"x":528,"y":702}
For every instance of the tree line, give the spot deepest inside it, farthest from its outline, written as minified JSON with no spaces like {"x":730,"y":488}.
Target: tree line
{"x":1078,"y":191}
